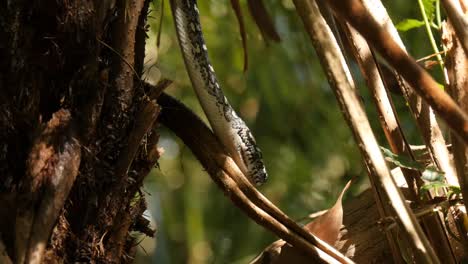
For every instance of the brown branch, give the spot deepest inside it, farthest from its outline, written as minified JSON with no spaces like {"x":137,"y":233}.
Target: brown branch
{"x":338,"y":74}
{"x":124,"y":36}
{"x":456,"y":63}
{"x":240,"y":20}
{"x":147,"y":115}
{"x":121,"y":91}
{"x":224,"y":172}
{"x":52,"y":169}
{"x":149,"y":153}
{"x":263,"y":20}
{"x":355,"y":13}
{"x":140,"y":38}
{"x":424,"y":115}
{"x":387,"y":116}
{"x":395,"y":137}
{"x":459,"y":21}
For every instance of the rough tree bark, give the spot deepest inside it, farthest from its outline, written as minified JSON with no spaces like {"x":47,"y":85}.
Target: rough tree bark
{"x":77,"y":133}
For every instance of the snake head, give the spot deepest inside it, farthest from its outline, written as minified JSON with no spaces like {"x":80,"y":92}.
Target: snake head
{"x":260,"y":176}
{"x":253,"y":159}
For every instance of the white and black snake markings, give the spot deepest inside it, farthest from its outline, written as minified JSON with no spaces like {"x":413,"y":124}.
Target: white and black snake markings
{"x":227,"y":126}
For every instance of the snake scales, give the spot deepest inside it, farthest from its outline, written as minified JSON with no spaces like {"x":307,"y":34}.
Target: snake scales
{"x":230,"y":129}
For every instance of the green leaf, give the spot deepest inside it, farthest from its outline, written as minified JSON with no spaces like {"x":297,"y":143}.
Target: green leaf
{"x":429,"y":7}
{"x":429,"y":173}
{"x":408,"y":24}
{"x":401,"y":161}
{"x":433,"y":185}
{"x":433,"y":175}
{"x":452,"y":189}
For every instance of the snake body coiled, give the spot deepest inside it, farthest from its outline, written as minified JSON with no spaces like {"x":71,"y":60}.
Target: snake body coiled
{"x":230,"y":129}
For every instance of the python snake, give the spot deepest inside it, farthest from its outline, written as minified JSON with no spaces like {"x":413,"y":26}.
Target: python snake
{"x":229,"y":128}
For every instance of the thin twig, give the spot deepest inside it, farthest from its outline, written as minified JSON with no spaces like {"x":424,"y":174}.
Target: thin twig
{"x":430,"y":35}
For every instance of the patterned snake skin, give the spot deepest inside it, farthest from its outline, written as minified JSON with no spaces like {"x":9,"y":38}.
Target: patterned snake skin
{"x":227,"y":126}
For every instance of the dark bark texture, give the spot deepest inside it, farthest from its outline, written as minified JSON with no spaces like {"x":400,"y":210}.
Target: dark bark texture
{"x":77,"y":131}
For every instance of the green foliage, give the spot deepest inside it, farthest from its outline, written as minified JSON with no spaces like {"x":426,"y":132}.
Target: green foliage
{"x":438,"y":184}
{"x":401,"y":161}
{"x":408,"y":24}
{"x":429,"y":173}
{"x":434,"y":179}
{"x":429,"y":9}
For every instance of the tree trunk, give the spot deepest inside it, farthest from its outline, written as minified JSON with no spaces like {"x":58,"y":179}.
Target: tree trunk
{"x":77,"y":136}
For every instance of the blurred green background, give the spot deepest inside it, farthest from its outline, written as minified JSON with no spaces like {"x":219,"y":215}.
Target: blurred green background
{"x":286,"y":101}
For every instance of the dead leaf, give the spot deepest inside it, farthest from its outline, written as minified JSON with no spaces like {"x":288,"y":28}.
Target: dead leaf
{"x":279,"y":252}
{"x":326,"y":227}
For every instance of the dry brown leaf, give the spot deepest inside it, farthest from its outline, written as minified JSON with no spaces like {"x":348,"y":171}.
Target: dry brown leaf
{"x":281,"y":253}
{"x":326,"y":227}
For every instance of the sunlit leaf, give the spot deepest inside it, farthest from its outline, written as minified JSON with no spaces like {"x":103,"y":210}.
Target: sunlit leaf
{"x":408,"y":24}
{"x":435,"y":185}
{"x":429,"y":7}
{"x":433,"y":175}
{"x":453,"y":190}
{"x":401,"y":161}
